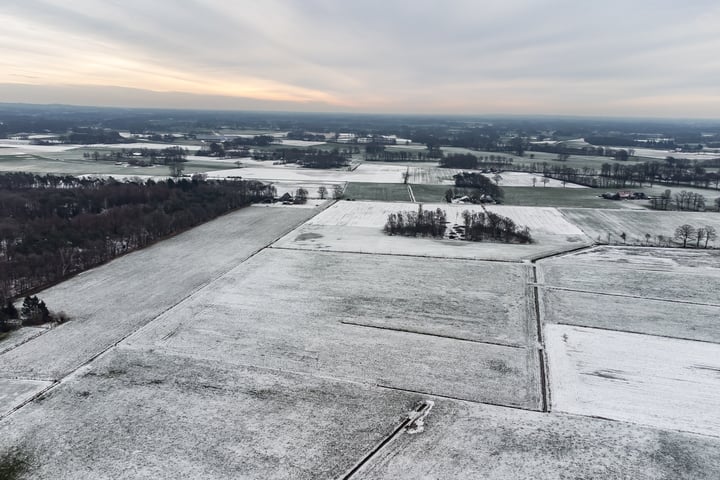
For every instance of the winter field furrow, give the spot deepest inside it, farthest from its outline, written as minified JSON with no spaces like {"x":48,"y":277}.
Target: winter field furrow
{"x":660,"y":382}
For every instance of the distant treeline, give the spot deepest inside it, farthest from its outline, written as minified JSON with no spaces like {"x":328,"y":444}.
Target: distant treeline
{"x":671,"y":171}
{"x":52,"y":227}
{"x":472,"y":162}
{"x":307,"y":157}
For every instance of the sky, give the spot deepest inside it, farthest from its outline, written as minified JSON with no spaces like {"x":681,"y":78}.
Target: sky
{"x":640,"y":58}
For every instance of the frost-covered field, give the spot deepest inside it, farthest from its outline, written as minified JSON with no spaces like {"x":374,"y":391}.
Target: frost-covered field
{"x":328,"y":314}
{"x":357,"y":227}
{"x":663,"y":154}
{"x":312,"y":188}
{"x":471,"y":441}
{"x":13,"y":392}
{"x":639,"y":315}
{"x":374,"y":172}
{"x":688,"y":284}
{"x":135,"y":414}
{"x":597,"y":223}
{"x":659,"y":382}
{"x":211,"y":355}
{"x":110,"y":302}
{"x":522,"y":179}
{"x":371,"y":173}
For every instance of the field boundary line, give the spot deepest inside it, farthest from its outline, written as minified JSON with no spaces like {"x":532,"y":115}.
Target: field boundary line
{"x":544,"y":382}
{"x":627,"y":295}
{"x":34,"y":397}
{"x":459,"y":399}
{"x":383,"y":254}
{"x":410,"y":192}
{"x":428,"y":334}
{"x":606,"y":329}
{"x":422,"y":408}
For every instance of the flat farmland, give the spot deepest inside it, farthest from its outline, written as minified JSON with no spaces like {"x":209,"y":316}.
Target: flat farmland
{"x":659,"y":382}
{"x":13,"y":392}
{"x":110,"y":302}
{"x":638,"y":315}
{"x":470,"y":441}
{"x":143,"y":415}
{"x":585,"y":273}
{"x":540,"y":196}
{"x":385,"y":192}
{"x":357,"y":227}
{"x":597,"y":224}
{"x":663,"y":259}
{"x":276,"y":312}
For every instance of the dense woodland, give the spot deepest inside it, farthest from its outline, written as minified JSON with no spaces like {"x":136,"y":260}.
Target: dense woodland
{"x":52,"y":227}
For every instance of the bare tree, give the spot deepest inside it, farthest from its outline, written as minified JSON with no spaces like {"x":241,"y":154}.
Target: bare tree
{"x":685,"y":232}
{"x":710,"y":234}
{"x":322,"y":192}
{"x":545,"y":181}
{"x":338,"y":192}
{"x":699,"y":236}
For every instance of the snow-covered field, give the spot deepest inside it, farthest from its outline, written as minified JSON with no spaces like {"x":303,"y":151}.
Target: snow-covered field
{"x":312,"y":188}
{"x":374,"y":215}
{"x":371,"y":173}
{"x":695,"y":285}
{"x":654,"y":381}
{"x":376,"y":173}
{"x":662,"y":154}
{"x":473,"y":441}
{"x":597,"y":223}
{"x":209,"y":355}
{"x":328,"y":315}
{"x":357,"y":227}
{"x":299,"y":143}
{"x":13,"y":392}
{"x":23,"y":147}
{"x":110,"y":302}
{"x":522,"y":179}
{"x":639,"y":315}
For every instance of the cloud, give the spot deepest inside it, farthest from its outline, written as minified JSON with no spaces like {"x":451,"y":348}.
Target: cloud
{"x":458,"y":56}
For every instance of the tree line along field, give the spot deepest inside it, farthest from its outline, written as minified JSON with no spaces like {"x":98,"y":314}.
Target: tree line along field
{"x":53,"y":227}
{"x":640,"y":227}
